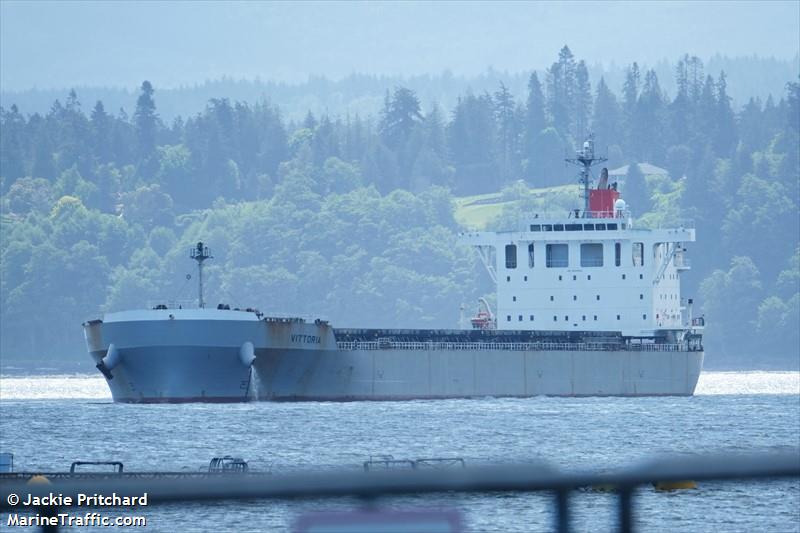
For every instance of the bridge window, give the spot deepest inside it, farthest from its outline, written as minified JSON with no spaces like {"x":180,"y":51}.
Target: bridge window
{"x":574,"y":227}
{"x":618,"y":255}
{"x":638,"y":254}
{"x":600,"y":227}
{"x":536,"y":227}
{"x":557,"y":256}
{"x":611,"y":226}
{"x":592,"y":254}
{"x":558,"y":227}
{"x":511,"y":256}
{"x":547,"y":227}
{"x":588,"y":227}
{"x":530,"y":255}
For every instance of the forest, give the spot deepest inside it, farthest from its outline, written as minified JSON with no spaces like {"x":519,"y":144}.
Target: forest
{"x":353,"y":217}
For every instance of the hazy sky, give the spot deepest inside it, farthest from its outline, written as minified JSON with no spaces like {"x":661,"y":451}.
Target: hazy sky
{"x":63,"y":44}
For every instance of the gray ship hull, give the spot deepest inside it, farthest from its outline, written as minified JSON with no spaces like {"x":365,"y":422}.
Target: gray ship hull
{"x":225,"y":356}
{"x":419,"y":374}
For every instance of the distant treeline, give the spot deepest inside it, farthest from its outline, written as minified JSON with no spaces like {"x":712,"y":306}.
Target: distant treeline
{"x":362,"y":94}
{"x":99,"y":207}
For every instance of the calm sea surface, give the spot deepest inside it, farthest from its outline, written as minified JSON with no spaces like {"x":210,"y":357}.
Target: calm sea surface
{"x":49,"y":421}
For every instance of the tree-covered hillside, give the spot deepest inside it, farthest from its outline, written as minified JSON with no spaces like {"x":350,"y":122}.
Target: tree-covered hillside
{"x":352,"y":218}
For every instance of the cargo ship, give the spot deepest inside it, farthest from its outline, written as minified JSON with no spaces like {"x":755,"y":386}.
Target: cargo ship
{"x":587,"y":304}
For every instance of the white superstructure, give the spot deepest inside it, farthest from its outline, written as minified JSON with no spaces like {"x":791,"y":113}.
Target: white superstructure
{"x":587,"y":275}
{"x":589,"y":270}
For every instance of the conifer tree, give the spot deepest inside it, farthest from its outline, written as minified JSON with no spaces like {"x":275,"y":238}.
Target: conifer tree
{"x":630,"y":90}
{"x":434,"y":128}
{"x":145,"y":120}
{"x":534,"y":124}
{"x":707,"y":110}
{"x":630,"y":97}
{"x":606,"y":120}
{"x":561,"y":91}
{"x":681,"y":107}
{"x":649,"y":121}
{"x":101,"y":133}
{"x":725,"y":138}
{"x":583,"y":101}
{"x":401,"y":113}
{"x":506,"y":132}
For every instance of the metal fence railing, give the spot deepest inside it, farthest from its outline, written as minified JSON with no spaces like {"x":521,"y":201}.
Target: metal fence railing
{"x":374,"y":484}
{"x":512,"y":346}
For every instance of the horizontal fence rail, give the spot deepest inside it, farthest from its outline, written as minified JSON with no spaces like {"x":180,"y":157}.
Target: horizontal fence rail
{"x":370,"y":485}
{"x":512,"y":346}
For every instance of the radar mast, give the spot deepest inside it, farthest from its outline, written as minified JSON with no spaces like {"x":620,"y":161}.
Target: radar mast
{"x":200,"y":253}
{"x":585,"y":158}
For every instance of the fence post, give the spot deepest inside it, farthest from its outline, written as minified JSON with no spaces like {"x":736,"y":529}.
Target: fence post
{"x":625,"y":509}
{"x":562,"y":511}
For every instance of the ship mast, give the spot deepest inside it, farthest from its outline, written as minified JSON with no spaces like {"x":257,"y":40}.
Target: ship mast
{"x":200,"y":253}
{"x":586,"y":159}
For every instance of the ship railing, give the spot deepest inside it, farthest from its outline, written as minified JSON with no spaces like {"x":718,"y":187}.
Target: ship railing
{"x":565,"y":217}
{"x":663,"y":223}
{"x":172,"y":304}
{"x":624,"y":218}
{"x":565,"y":486}
{"x":508,"y":346}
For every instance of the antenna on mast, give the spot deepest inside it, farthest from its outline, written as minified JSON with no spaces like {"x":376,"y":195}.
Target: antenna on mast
{"x":200,"y":253}
{"x":586,"y":159}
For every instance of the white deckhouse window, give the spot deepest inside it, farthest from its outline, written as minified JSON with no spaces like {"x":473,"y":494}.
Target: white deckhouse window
{"x":557,"y":255}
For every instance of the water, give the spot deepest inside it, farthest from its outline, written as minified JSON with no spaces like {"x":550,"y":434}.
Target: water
{"x":50,"y":421}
